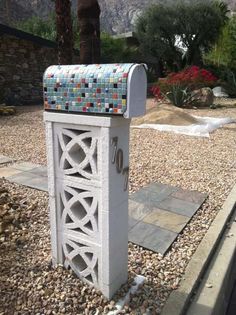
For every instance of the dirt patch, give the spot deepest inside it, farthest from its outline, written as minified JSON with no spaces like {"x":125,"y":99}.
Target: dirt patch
{"x":165,"y":114}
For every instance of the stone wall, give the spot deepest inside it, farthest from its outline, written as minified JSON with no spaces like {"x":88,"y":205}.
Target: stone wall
{"x":23,"y":60}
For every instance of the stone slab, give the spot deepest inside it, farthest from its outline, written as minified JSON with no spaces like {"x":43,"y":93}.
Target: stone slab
{"x":132,"y":223}
{"x":193,"y":196}
{"x":153,"y":194}
{"x":30,"y":180}
{"x":138,"y":210}
{"x":152,"y":237}
{"x":167,"y":220}
{"x":5,"y":159}
{"x":25,"y":166}
{"x":169,"y":208}
{"x":40,"y":171}
{"x":161,"y":188}
{"x":8,"y":171}
{"x":95,"y":121}
{"x":179,"y":206}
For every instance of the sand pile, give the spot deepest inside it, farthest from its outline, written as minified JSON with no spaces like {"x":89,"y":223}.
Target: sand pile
{"x":166,"y":115}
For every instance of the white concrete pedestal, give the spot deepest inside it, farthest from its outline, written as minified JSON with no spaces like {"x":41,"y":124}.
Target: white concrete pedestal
{"x":88,"y":159}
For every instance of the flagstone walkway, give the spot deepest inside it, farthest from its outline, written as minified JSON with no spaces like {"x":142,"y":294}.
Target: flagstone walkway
{"x":157,"y":212}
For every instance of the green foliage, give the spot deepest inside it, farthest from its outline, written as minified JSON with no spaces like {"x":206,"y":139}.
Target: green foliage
{"x":179,"y":96}
{"x":228,"y":78}
{"x":46,"y":28}
{"x":112,"y":50}
{"x":39,"y":27}
{"x":223,"y":54}
{"x":196,"y":25}
{"x":116,"y":50}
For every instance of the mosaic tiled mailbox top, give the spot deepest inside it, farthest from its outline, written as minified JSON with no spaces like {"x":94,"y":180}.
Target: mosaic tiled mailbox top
{"x":100,"y":88}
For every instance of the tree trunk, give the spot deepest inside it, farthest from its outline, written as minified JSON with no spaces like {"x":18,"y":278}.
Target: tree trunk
{"x":89,"y":26}
{"x":64,"y":31}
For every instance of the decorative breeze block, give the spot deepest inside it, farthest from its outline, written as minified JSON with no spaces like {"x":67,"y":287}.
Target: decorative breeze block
{"x":88,"y":196}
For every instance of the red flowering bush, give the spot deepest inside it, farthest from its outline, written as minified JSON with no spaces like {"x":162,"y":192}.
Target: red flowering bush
{"x":156,"y":92}
{"x":192,"y":77}
{"x":178,"y":87}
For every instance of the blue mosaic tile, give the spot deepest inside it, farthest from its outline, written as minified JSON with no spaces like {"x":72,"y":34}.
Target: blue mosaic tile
{"x":100,"y":88}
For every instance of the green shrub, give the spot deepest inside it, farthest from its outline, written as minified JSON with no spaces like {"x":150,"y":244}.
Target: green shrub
{"x":116,"y":50}
{"x":223,"y":53}
{"x":46,"y":28}
{"x":228,"y":78}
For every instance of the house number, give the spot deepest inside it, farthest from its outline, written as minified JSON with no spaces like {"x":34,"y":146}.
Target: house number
{"x":118,"y":159}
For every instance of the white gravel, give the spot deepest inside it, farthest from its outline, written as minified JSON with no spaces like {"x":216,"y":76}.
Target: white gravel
{"x":27,"y":281}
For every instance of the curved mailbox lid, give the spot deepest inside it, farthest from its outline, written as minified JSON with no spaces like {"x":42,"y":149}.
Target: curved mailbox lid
{"x":95,"y":89}
{"x":136,"y":91}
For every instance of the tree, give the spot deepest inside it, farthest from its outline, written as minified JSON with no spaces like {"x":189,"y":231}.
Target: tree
{"x":89,"y":26}
{"x":46,"y":28}
{"x":223,"y":53}
{"x":64,"y":31}
{"x":179,"y":33}
{"x":115,"y":50}
{"x":39,"y":27}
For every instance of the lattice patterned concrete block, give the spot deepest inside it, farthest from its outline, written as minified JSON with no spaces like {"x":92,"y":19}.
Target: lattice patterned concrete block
{"x":89,"y":197}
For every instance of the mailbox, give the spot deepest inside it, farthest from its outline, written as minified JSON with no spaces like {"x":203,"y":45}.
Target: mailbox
{"x":88,"y":166}
{"x":108,"y":89}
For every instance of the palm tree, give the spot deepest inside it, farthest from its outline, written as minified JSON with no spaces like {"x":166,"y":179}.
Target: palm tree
{"x":64,"y":31}
{"x":89,"y":26}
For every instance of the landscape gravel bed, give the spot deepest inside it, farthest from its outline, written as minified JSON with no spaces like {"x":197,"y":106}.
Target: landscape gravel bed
{"x":28,"y":283}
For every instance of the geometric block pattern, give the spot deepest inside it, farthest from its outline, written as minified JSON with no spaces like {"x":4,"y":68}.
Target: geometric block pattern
{"x":79,"y":212}
{"x":82,"y":259}
{"x":78,"y":153}
{"x":100,"y":88}
{"x":88,"y":202}
{"x":78,"y":205}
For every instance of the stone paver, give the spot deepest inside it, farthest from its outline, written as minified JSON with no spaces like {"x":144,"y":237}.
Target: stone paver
{"x":191,"y":196}
{"x":5,"y":159}
{"x":153,"y":194}
{"x":25,"y":166}
{"x":41,"y":171}
{"x":179,"y":206}
{"x":157,"y":212}
{"x":8,"y":171}
{"x":152,"y":237}
{"x":138,"y":210}
{"x":30,"y":180}
{"x":132,"y":222}
{"x":169,"y":221}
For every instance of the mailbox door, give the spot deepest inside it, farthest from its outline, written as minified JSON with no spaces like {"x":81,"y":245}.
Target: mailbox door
{"x":136,"y":91}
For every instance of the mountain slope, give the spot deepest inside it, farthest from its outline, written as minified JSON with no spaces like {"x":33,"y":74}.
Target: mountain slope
{"x":116,"y":16}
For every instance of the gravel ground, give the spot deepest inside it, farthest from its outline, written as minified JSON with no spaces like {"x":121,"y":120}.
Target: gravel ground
{"x":28,"y":283}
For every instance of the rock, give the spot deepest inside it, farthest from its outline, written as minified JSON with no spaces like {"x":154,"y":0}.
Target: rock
{"x":219,"y":91}
{"x":203,"y":97}
{"x":7,"y":110}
